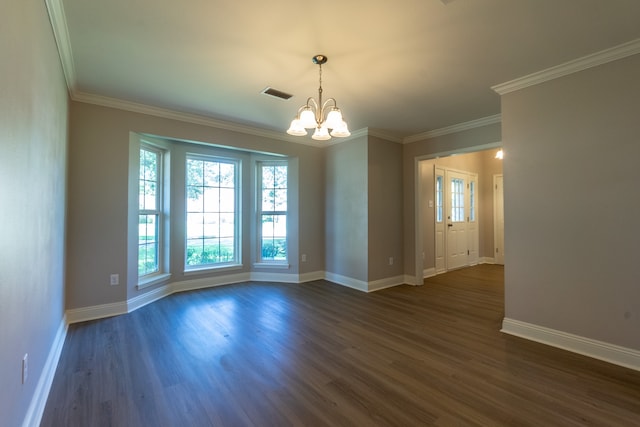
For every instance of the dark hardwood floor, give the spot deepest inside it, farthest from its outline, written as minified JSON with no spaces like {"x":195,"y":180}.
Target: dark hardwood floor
{"x":318,"y":354}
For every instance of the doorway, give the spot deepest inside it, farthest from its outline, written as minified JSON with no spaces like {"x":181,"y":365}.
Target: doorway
{"x":470,"y":211}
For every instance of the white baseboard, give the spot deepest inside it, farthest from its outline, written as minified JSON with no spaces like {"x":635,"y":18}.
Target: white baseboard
{"x":148,"y":297}
{"x":347,"y":281}
{"x":310,"y":277}
{"x":428,"y":272}
{"x":611,"y":353}
{"x":101,"y":311}
{"x":261,"y":276}
{"x":411,"y":280}
{"x":84,"y":314}
{"x":39,"y":399}
{"x":388,"y":282}
{"x":208,"y":282}
{"x":486,"y":260}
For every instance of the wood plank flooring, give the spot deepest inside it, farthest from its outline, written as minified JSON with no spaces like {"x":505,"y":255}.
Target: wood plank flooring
{"x":318,"y":354}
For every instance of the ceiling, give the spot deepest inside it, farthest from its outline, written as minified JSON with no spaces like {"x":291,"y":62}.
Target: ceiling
{"x":403,"y":67}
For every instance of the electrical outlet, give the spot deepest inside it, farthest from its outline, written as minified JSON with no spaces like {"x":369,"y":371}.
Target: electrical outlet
{"x":390,"y":260}
{"x":304,"y":257}
{"x":115,"y":279}
{"x":25,"y":367}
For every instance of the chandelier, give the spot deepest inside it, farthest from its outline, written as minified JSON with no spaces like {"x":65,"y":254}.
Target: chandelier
{"x":325,"y":117}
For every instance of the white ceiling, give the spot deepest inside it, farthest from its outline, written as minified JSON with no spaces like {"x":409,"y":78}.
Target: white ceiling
{"x":403,"y":67}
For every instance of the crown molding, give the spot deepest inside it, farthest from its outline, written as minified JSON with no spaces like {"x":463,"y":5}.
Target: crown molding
{"x":58,"y":21}
{"x":472,"y":124}
{"x":197,"y":119}
{"x":599,"y":58}
{"x":384,"y":135}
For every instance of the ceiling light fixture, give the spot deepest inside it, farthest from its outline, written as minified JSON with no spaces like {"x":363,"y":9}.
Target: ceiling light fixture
{"x":500,"y":154}
{"x":325,"y":117}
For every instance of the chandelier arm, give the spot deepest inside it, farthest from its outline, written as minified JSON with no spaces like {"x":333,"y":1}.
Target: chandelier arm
{"x":326,"y":104}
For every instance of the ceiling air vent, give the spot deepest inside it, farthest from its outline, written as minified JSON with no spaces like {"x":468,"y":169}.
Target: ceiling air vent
{"x":276,"y":93}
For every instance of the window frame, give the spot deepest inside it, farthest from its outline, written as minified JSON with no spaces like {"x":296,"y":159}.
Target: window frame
{"x":237,"y":214}
{"x":260,"y":213}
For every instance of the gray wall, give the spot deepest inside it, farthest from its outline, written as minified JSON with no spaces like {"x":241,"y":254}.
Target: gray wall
{"x":346,"y":209}
{"x":98,"y":198}
{"x":33,"y":136}
{"x":572,"y":147}
{"x":385,"y":209}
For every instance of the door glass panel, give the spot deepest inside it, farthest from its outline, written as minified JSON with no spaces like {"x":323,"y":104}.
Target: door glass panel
{"x":457,"y":200}
{"x":439,"y":194}
{"x":472,"y":201}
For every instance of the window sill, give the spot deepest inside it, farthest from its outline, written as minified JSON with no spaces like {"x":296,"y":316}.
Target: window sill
{"x":153,"y":280}
{"x":270,"y":265}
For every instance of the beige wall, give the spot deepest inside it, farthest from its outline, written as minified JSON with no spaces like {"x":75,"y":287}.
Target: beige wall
{"x":33,"y":137}
{"x":571,"y":170}
{"x":98,"y":199}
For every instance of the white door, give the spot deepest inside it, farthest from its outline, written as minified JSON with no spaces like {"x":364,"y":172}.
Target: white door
{"x":498,"y":215}
{"x":456,"y":219}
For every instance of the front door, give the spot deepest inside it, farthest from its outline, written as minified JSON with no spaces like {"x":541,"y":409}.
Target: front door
{"x":456,"y":219}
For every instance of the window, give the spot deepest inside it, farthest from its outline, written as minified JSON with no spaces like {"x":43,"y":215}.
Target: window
{"x":212,"y":192}
{"x":472,"y":201}
{"x":457,"y":200}
{"x":439,"y":202}
{"x":272,"y":211}
{"x":149,"y":210}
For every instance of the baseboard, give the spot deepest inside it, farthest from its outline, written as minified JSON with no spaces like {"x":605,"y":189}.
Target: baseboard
{"x":310,"y":277}
{"x":389,"y":282}
{"x":347,"y":281}
{"x":101,"y":311}
{"x":39,"y":399}
{"x":209,"y":282}
{"x":428,"y":272}
{"x":148,"y":297}
{"x":611,"y":353}
{"x":411,"y":280}
{"x":114,"y":309}
{"x":486,"y":260}
{"x":261,"y":276}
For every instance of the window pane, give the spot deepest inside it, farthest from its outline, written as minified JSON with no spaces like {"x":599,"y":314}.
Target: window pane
{"x":280,"y":200}
{"x":227,"y":199}
{"x":439,"y":201}
{"x":227,"y":175}
{"x":212,"y":174}
{"x":211,"y":199}
{"x":268,"y":201}
{"x":457,"y":200}
{"x":472,"y":200}
{"x":195,"y":171}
